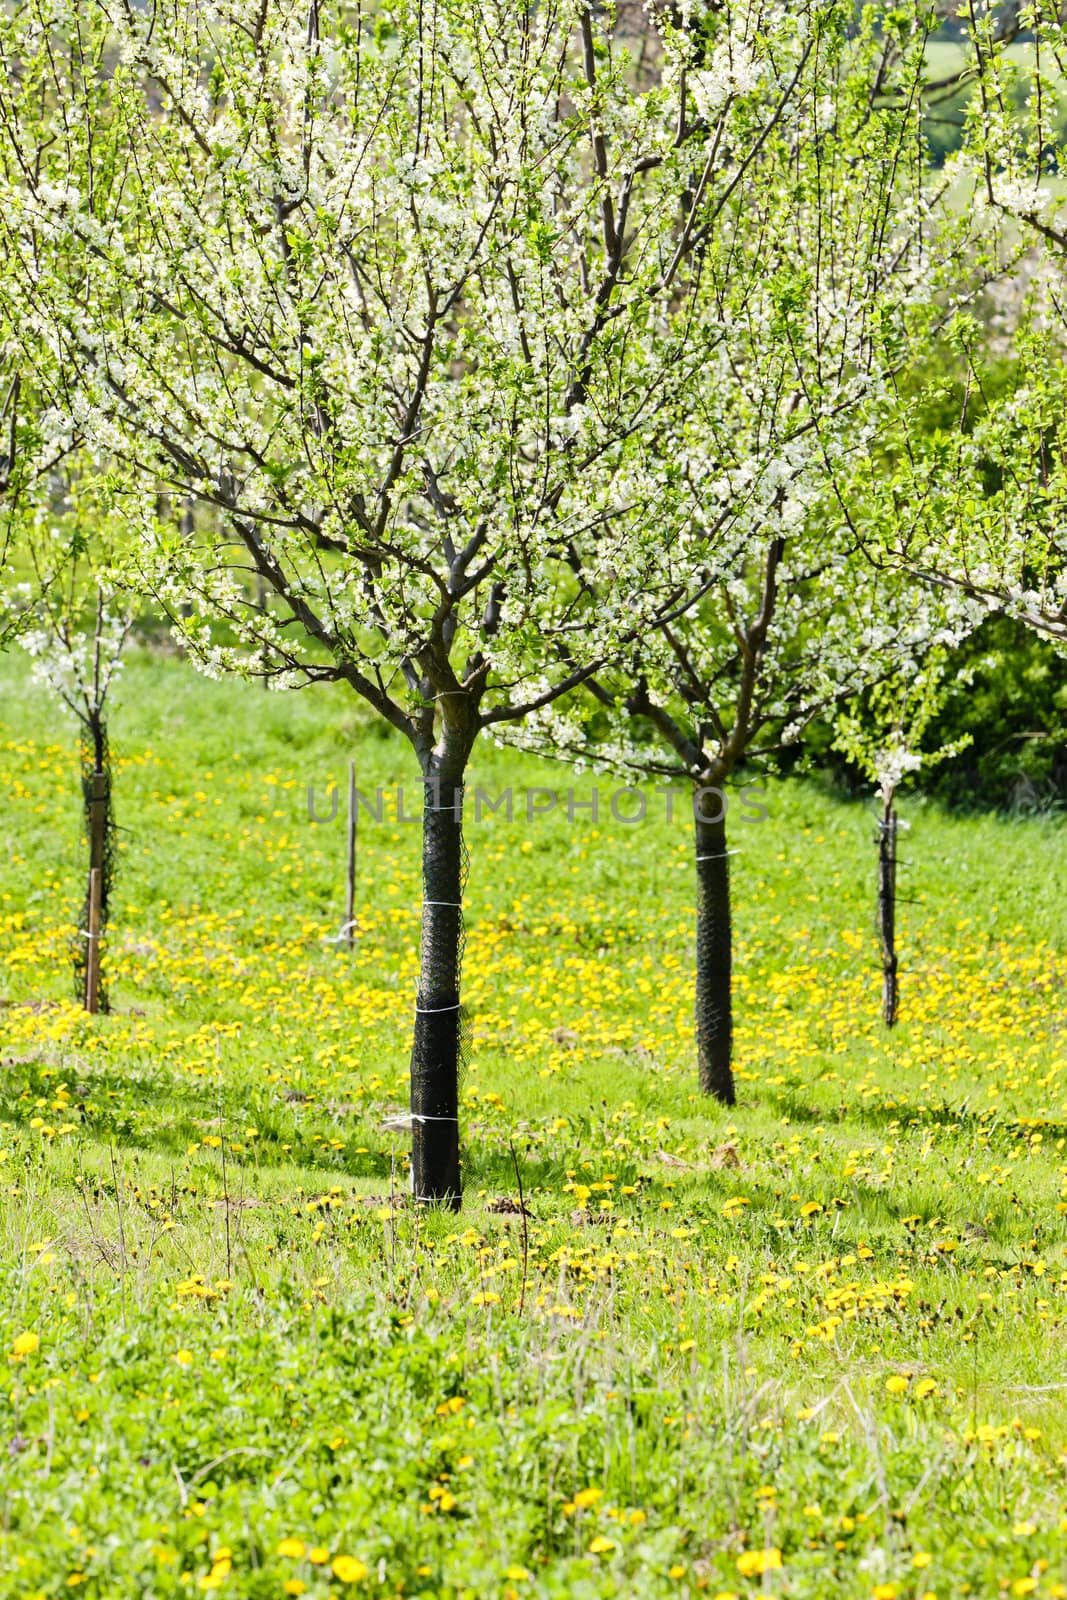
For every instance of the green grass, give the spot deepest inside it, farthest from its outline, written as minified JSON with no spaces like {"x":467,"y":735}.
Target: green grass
{"x":828,"y":1324}
{"x":947,"y":56}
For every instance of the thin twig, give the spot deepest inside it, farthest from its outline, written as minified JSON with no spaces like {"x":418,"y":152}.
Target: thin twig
{"x":122,"y":1231}
{"x":525,"y":1226}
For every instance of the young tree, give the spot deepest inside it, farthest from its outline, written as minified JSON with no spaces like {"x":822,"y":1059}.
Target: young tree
{"x":406,"y":304}
{"x":60,"y":599}
{"x":792,"y":637}
{"x":79,"y":625}
{"x":883,"y":735}
{"x":835,"y":266}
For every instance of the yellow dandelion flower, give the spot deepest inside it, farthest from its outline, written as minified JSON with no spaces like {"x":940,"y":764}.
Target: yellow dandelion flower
{"x":346,"y":1569}
{"x":755,"y":1562}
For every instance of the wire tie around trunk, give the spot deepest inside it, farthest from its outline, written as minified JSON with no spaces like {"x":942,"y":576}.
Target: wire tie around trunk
{"x":405,"y":1119}
{"x":432,"y":1011}
{"x":457,"y":904}
{"x":721,"y":855}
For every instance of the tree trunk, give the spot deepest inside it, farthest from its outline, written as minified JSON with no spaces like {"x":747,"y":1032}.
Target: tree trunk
{"x":99,"y":826}
{"x":435,"y":1054}
{"x":714,"y":1011}
{"x":887,"y":909}
{"x":97,"y":897}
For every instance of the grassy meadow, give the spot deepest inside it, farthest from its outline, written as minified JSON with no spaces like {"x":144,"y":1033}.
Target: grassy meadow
{"x":811,"y":1346}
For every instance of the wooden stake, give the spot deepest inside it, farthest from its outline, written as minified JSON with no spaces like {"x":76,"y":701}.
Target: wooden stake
{"x":350,"y":898}
{"x":887,"y":913}
{"x":92,"y":961}
{"x":98,"y":796}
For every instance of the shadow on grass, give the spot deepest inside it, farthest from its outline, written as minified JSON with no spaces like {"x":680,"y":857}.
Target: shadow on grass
{"x":171,"y":1115}
{"x":910,"y":1114}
